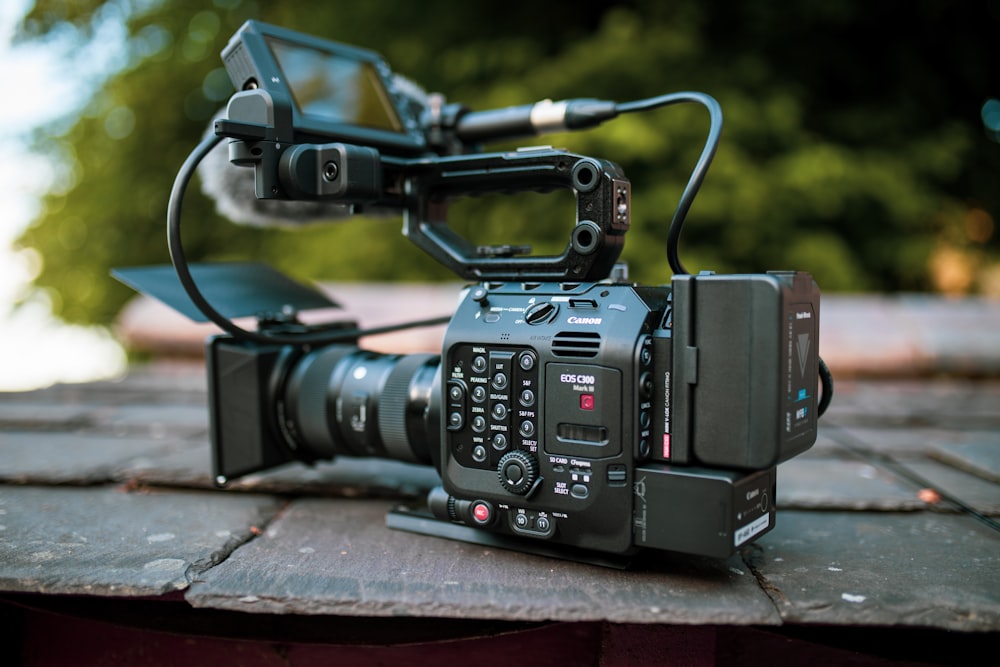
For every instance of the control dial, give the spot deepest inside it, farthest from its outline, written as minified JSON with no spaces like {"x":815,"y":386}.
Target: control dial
{"x":518,"y":471}
{"x":540,"y":313}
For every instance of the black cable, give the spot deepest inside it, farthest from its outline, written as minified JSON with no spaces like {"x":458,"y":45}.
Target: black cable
{"x":180,"y":263}
{"x":700,"y":169}
{"x":692,"y":187}
{"x":826,"y":380}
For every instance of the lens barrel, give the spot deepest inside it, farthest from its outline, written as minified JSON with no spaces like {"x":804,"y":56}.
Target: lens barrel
{"x":340,"y":400}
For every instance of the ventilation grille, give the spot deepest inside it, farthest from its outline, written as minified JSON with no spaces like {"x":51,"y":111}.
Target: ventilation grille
{"x":584,"y":344}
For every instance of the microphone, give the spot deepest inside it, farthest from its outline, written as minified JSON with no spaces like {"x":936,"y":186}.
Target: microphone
{"x":231,"y":187}
{"x":533,"y":119}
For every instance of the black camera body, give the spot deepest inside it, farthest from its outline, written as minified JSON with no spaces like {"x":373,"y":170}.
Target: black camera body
{"x":602,"y":416}
{"x":570,"y":411}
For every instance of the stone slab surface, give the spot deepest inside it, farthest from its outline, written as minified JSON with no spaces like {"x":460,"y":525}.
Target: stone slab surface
{"x":192,"y":467}
{"x":951,"y":483}
{"x":39,"y":457}
{"x":882,"y":569}
{"x":338,"y":557}
{"x":80,"y":458}
{"x":141,"y":420}
{"x":156,"y":419}
{"x":107,"y":541}
{"x":978,"y":454}
{"x":105,"y":490}
{"x":834,"y":484}
{"x":952,"y":404}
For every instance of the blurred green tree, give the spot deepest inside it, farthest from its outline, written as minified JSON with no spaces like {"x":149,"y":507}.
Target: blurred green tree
{"x":853,"y":145}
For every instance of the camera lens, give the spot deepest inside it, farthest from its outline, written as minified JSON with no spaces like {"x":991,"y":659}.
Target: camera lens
{"x":343,"y":401}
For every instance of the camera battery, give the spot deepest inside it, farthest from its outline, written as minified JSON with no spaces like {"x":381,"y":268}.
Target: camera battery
{"x":701,"y":511}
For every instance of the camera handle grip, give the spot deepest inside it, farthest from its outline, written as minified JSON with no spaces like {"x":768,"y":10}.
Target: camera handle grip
{"x":602,"y":216}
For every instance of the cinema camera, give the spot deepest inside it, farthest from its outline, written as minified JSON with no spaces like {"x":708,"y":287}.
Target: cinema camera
{"x":570,"y":411}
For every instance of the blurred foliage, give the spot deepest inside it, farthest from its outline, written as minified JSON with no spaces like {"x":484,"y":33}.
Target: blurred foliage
{"x":853,"y":145}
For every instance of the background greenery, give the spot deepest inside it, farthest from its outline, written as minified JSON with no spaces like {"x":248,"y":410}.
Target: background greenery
{"x":853,"y":146}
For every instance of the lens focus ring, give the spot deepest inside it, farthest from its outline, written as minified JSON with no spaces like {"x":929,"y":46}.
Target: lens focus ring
{"x":393,"y":404}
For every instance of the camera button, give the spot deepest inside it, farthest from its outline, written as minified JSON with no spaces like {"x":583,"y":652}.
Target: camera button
{"x":499,"y":411}
{"x":479,"y":453}
{"x":526,"y":360}
{"x":479,"y":364}
{"x":500,"y":380}
{"x":646,"y":385}
{"x":482,"y":512}
{"x":579,"y":491}
{"x":479,"y":393}
{"x":513,"y":474}
{"x":644,"y":448}
{"x":617,"y":475}
{"x":455,"y":421}
{"x":500,"y":442}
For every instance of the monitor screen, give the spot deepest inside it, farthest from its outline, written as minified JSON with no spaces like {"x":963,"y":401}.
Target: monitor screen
{"x":335,"y":88}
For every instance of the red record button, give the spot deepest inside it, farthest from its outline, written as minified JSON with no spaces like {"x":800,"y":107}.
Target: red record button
{"x":586,"y":401}
{"x":482,"y":512}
